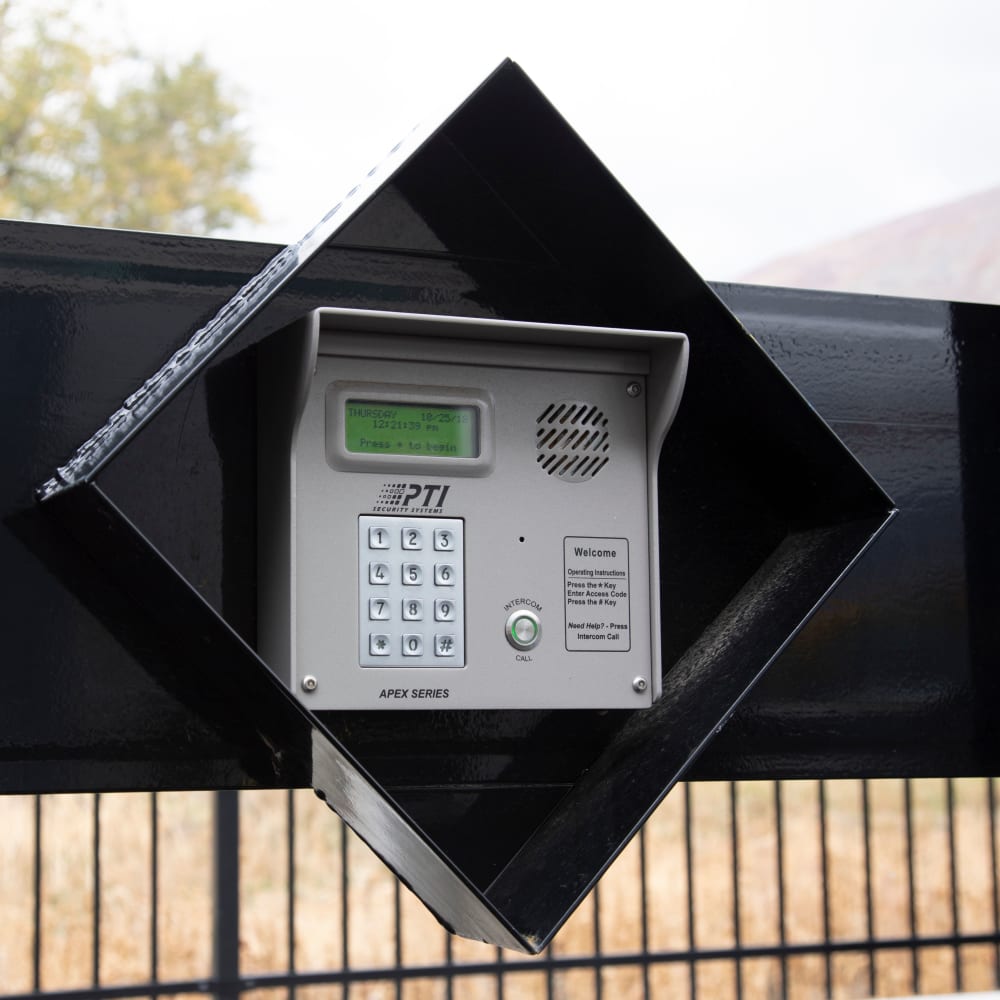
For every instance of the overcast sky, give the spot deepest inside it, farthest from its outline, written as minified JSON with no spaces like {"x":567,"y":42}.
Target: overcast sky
{"x":747,"y":130}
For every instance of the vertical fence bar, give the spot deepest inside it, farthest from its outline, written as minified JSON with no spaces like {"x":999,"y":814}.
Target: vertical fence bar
{"x":345,"y":909}
{"x":154,"y":889}
{"x":689,"y":861}
{"x":36,"y":941}
{"x":911,"y":877}
{"x":449,"y":964}
{"x":992,"y":805}
{"x":825,"y":875}
{"x":953,"y":877}
{"x":644,"y":911}
{"x":397,"y":909}
{"x":226,"y":889}
{"x":290,"y":822}
{"x":869,"y":899}
{"x":735,"y":842}
{"x":96,"y":890}
{"x":599,"y":965}
{"x":780,"y":851}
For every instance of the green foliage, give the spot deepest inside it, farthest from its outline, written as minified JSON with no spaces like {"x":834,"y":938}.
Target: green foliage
{"x":106,"y":138}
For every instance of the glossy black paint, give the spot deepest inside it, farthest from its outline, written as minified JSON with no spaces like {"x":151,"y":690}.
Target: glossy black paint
{"x":897,"y":673}
{"x":128,"y":666}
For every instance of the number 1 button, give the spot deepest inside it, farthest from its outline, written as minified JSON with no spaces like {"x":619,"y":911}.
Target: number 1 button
{"x":378,"y":538}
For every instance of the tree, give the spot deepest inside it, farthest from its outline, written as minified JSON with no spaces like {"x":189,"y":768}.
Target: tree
{"x":107,"y":138}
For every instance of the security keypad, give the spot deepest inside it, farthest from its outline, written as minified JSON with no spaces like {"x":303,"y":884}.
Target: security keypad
{"x":411,"y":577}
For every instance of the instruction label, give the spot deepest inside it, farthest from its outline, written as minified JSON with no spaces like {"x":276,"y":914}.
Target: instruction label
{"x":597,"y":594}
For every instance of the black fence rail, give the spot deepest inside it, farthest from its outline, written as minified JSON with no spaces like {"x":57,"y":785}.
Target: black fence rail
{"x":752,"y":889}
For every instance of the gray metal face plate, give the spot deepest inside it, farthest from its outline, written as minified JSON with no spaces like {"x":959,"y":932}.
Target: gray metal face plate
{"x":552,"y":584}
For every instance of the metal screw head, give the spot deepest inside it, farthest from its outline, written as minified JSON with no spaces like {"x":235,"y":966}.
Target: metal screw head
{"x":639,"y":685}
{"x":633,"y":389}
{"x":309,"y":683}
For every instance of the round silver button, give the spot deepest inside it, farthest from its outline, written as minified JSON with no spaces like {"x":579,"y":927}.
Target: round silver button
{"x":523,"y":629}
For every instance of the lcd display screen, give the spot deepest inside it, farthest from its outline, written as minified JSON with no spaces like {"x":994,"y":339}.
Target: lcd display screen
{"x":424,"y":430}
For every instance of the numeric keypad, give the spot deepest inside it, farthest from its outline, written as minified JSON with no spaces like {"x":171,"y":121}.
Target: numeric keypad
{"x":411,"y":591}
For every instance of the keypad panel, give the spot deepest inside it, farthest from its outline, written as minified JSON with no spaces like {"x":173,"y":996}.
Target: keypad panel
{"x":411,"y":579}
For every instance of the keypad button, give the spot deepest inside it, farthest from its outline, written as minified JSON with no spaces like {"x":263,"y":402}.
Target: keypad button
{"x":378,"y":609}
{"x":444,"y":575}
{"x":444,"y":540}
{"x":379,"y":644}
{"x":413,"y":574}
{"x":444,"y":611}
{"x":413,"y":610}
{"x":378,"y":537}
{"x":412,"y":538}
{"x":378,"y":574}
{"x":413,"y":645}
{"x":444,"y":645}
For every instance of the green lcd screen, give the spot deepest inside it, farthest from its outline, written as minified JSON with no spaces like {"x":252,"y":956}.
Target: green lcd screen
{"x":424,"y":430}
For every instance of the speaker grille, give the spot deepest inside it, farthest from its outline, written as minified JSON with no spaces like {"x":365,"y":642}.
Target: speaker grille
{"x":572,"y":441}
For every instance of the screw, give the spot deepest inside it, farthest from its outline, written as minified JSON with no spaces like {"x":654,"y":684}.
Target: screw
{"x":633,"y":389}
{"x":309,"y":683}
{"x":639,"y":685}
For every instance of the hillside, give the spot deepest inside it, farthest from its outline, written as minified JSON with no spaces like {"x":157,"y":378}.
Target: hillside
{"x":951,"y":251}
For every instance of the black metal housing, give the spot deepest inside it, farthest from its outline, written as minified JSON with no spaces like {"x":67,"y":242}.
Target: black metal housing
{"x":131,"y":655}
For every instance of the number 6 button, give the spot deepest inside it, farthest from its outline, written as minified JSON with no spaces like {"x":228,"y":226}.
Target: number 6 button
{"x":444,"y":575}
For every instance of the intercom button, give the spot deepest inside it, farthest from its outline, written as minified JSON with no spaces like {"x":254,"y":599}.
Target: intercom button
{"x":444,"y":540}
{"x":444,"y":611}
{"x":378,"y":574}
{"x":413,"y":610}
{"x":413,"y":538}
{"x":379,"y":645}
{"x":413,"y":645}
{"x":413,"y":574}
{"x":378,"y":609}
{"x":444,"y":645}
{"x":378,"y":537}
{"x":444,"y":575}
{"x":523,"y":629}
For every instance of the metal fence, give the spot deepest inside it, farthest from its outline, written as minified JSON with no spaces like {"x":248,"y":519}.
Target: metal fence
{"x":754,"y":889}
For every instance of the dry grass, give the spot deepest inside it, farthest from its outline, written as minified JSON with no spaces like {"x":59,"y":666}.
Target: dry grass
{"x":612,"y":915}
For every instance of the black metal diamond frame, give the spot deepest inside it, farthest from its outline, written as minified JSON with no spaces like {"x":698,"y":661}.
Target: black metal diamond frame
{"x":501,"y":822}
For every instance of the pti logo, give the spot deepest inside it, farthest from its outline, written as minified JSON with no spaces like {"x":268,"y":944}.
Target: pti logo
{"x":422,"y":498}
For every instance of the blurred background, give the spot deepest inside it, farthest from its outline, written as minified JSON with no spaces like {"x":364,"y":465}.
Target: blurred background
{"x":850,"y":145}
{"x":841,"y":145}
